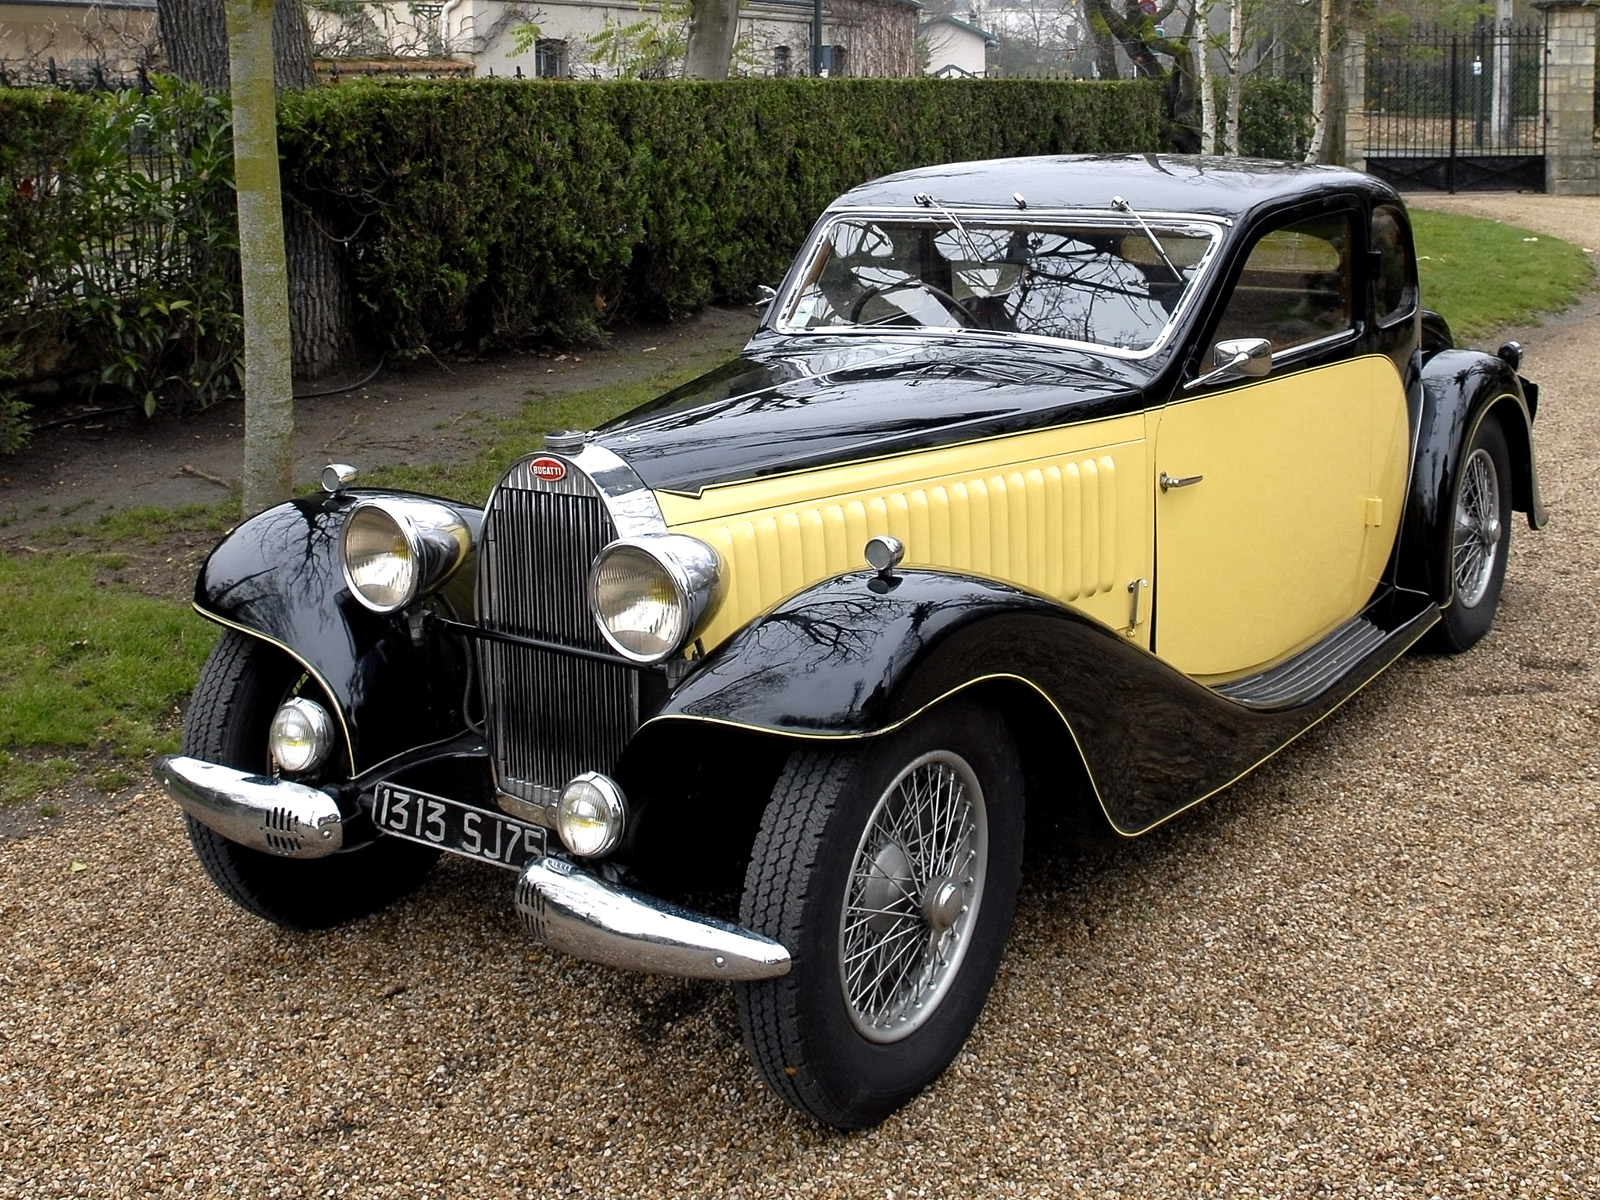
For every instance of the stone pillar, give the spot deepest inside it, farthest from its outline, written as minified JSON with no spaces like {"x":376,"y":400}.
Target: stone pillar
{"x":1355,"y":102}
{"x":1570,"y":166}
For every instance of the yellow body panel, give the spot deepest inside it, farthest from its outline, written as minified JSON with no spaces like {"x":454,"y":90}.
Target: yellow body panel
{"x":1287,"y":532}
{"x":1064,"y":512}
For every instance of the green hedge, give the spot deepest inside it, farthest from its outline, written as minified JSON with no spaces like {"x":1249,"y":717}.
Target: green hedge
{"x":1274,"y":117}
{"x":118,"y":246}
{"x":493,"y":211}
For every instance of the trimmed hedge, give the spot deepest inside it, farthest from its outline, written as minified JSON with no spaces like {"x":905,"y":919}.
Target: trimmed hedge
{"x":489,"y":212}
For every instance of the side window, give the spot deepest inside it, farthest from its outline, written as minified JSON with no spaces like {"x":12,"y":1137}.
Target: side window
{"x":1397,"y":266}
{"x":1295,"y":286}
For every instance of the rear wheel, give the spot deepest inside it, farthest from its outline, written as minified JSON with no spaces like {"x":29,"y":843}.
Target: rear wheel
{"x":240,"y":688}
{"x":1480,"y":536}
{"x":889,"y":870}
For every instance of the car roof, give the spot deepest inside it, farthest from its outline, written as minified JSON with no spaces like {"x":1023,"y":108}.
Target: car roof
{"x":1215,"y":186}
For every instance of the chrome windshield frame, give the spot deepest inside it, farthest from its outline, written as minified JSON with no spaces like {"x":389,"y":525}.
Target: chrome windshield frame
{"x":1189,"y":224}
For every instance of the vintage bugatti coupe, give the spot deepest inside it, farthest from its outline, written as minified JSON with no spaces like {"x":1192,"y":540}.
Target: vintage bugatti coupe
{"x":1066,"y":486}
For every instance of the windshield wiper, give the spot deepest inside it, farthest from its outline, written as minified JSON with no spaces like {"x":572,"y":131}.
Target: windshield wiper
{"x":928,"y":201}
{"x":1122,"y":205}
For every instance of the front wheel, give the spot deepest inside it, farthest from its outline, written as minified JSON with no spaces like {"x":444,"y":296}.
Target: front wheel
{"x":240,"y":688}
{"x":1480,"y":536}
{"x":889,"y":869}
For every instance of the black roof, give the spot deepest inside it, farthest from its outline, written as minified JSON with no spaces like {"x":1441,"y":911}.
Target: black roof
{"x":1227,"y":187}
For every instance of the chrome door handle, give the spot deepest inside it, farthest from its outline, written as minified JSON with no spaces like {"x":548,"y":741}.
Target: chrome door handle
{"x":1168,"y":482}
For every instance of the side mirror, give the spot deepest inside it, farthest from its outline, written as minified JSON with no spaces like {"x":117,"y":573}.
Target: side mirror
{"x":1239,"y":358}
{"x":764,"y":296}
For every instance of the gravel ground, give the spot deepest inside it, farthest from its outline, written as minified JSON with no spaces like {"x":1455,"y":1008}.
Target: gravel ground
{"x":1367,"y":970}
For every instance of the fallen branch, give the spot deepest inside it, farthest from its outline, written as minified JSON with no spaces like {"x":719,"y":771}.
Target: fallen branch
{"x":186,"y":469}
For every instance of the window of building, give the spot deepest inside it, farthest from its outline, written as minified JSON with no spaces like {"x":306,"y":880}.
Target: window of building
{"x":781,"y":61}
{"x":839,"y":63}
{"x":550,"y":58}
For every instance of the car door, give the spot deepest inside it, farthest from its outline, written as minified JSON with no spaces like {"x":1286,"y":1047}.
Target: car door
{"x":1277,"y":498}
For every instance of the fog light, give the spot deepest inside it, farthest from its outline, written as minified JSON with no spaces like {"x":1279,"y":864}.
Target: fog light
{"x":301,"y":735}
{"x":591,"y":815}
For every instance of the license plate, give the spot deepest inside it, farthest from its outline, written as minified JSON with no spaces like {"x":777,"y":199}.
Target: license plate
{"x":456,"y":827}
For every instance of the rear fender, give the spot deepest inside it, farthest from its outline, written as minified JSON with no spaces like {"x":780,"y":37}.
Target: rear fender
{"x":278,"y":577}
{"x":1460,"y":389}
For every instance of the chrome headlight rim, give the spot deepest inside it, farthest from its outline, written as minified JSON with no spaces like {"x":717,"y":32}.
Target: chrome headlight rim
{"x":692,"y":567}
{"x":609,"y":801}
{"x":318,"y":736}
{"x":437,"y":541}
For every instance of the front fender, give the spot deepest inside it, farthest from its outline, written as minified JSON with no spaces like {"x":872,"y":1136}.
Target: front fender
{"x":1460,"y":389}
{"x":277,"y":576}
{"x":850,"y":657}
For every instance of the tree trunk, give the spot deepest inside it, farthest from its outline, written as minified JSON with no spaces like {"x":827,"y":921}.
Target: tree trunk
{"x":1320,"y":83}
{"x":194,"y":33}
{"x":1230,"y":137}
{"x":263,"y":271}
{"x":1202,"y":74}
{"x":713,"y":26}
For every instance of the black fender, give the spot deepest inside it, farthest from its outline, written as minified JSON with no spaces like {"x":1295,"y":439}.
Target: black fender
{"x":278,"y":577}
{"x":1460,"y":388}
{"x":855,"y":656}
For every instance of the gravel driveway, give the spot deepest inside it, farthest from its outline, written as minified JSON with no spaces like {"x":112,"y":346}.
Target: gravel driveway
{"x":1370,"y":969}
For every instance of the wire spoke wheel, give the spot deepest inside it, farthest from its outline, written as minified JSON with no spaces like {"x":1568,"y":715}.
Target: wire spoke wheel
{"x":915,"y":887}
{"x":889,"y":867}
{"x":1478,"y":528}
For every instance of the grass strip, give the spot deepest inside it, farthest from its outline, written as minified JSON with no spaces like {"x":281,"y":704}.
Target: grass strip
{"x":1485,"y":277}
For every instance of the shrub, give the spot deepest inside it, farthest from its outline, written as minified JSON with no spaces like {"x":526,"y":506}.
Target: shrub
{"x":1274,"y":117}
{"x":493,"y":211}
{"x":120,"y":252}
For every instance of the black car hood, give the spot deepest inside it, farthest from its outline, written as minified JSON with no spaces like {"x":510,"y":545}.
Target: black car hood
{"x":776,"y":410}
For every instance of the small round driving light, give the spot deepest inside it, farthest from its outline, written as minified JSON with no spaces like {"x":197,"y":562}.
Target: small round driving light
{"x":301,"y":735}
{"x":378,"y":563}
{"x":591,"y":815}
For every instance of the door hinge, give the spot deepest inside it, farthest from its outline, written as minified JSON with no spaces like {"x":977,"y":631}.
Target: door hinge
{"x":1135,"y":597}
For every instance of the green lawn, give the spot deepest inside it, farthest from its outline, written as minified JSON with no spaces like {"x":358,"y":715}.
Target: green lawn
{"x":1483,"y":277}
{"x":100,"y":649}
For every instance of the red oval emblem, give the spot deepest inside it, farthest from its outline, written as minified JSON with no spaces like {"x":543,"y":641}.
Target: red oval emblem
{"x":551,"y":470}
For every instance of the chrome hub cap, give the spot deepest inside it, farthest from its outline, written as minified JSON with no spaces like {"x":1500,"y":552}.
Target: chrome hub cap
{"x":1477,"y":531}
{"x":915,"y":885}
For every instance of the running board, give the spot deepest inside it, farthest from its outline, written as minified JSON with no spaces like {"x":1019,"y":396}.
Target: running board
{"x":1313,"y":671}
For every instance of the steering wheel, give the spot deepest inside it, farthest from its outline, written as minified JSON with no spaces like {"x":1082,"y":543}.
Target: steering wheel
{"x":945,"y":299}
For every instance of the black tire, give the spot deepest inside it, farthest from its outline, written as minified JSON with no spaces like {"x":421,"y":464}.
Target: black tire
{"x":848,"y":1052}
{"x":240,"y":688}
{"x":1479,"y":535}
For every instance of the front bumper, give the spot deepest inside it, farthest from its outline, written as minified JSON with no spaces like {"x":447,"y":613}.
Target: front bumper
{"x":560,"y":906}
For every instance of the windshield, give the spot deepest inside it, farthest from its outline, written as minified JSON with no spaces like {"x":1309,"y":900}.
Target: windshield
{"x":1105,"y":283}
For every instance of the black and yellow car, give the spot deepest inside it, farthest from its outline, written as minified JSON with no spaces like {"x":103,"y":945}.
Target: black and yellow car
{"x":1046,"y":488}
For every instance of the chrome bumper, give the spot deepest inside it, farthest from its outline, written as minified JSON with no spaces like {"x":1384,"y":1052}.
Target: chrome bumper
{"x":273,"y":815}
{"x":560,"y":906}
{"x":605,"y":923}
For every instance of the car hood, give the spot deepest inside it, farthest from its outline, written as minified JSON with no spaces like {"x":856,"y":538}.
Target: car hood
{"x":776,"y":410}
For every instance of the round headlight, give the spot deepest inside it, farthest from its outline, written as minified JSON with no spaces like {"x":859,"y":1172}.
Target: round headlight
{"x":591,"y":815}
{"x":395,"y":548}
{"x":650,"y":593}
{"x":301,"y":735}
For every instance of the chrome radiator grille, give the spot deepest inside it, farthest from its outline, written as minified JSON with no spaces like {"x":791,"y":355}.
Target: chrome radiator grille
{"x":551,"y":715}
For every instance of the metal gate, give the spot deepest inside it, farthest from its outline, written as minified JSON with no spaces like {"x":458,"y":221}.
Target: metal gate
{"x":1458,"y":110}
